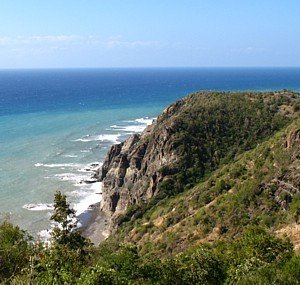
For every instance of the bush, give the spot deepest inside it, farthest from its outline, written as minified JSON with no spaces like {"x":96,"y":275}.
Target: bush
{"x":258,"y":257}
{"x":62,"y":261}
{"x":296,"y":106}
{"x":201,"y":266}
{"x":291,"y":271}
{"x":256,"y":242}
{"x":100,"y":275}
{"x":15,"y":250}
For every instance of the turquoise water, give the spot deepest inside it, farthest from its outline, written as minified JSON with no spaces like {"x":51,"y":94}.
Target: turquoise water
{"x":54,"y":124}
{"x":44,"y":152}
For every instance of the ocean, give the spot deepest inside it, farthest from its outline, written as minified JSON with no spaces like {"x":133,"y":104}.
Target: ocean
{"x":56,"y":126}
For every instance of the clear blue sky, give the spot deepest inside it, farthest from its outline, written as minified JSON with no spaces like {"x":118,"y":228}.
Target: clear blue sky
{"x":149,"y":33}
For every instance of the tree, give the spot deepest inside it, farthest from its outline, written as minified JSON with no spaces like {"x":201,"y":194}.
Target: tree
{"x":15,"y":250}
{"x":68,"y":253}
{"x":65,"y":232}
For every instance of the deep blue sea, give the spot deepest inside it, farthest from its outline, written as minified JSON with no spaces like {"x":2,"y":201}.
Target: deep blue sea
{"x":57,"y":125}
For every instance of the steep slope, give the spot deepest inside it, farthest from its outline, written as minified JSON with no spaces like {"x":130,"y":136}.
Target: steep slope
{"x":189,"y":140}
{"x":261,"y":187}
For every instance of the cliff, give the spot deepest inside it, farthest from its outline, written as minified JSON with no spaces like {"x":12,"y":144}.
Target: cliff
{"x":261,"y":187}
{"x":189,"y":140}
{"x":130,"y":172}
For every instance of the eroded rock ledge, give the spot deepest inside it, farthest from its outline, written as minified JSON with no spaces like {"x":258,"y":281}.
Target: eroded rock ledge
{"x":130,"y":172}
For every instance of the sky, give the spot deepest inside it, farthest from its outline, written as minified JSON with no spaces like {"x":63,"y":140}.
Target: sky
{"x":149,"y":33}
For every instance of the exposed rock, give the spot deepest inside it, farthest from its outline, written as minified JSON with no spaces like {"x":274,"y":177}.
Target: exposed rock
{"x":293,"y":233}
{"x":287,"y":183}
{"x":133,"y":169}
{"x":130,"y":172}
{"x":293,"y":139}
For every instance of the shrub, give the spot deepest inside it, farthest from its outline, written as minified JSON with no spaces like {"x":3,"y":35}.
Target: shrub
{"x":63,"y":260}
{"x":100,"y":275}
{"x":201,"y":266}
{"x":15,"y":250}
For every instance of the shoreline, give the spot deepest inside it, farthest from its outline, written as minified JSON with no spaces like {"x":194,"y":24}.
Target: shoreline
{"x":92,"y":222}
{"x":95,"y":224}
{"x":74,"y":170}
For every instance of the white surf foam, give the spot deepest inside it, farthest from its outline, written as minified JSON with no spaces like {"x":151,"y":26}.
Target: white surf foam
{"x":59,"y":165}
{"x":146,"y":120}
{"x":77,"y":178}
{"x":79,"y":193}
{"x":44,"y":235}
{"x":105,"y":137}
{"x":70,"y":155}
{"x":38,"y":207}
{"x":92,"y":196}
{"x":138,"y":127}
{"x":92,"y":167}
{"x":88,"y":192}
{"x":89,"y":195}
{"x":129,"y":129}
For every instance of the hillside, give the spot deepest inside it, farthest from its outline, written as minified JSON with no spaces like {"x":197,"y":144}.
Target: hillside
{"x":189,"y":140}
{"x":260,"y":187}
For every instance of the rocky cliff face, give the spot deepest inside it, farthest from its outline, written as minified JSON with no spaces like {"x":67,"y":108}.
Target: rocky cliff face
{"x":130,"y":172}
{"x":200,"y":130}
{"x":293,"y":139}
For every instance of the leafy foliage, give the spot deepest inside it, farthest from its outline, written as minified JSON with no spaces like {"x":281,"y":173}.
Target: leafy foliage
{"x":63,"y":260}
{"x":65,"y":233}
{"x":15,"y":250}
{"x":256,"y":256}
{"x":212,"y":128}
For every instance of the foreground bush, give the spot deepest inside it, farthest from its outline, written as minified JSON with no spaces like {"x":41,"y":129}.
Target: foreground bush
{"x":68,"y":253}
{"x":256,"y":257}
{"x":15,"y":250}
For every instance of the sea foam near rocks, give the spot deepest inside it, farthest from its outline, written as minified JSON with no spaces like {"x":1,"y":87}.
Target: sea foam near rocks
{"x":59,"y":165}
{"x":87,"y":188}
{"x":38,"y":207}
{"x":105,"y":137}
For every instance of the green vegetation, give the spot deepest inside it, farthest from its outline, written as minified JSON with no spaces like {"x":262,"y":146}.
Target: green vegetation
{"x":216,"y":219}
{"x":62,"y":261}
{"x":213,"y":128}
{"x":255,"y":256}
{"x":209,"y":130}
{"x":15,"y":250}
{"x":260,"y":188}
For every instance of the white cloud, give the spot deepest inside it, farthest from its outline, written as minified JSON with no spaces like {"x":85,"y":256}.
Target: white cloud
{"x":37,"y":40}
{"x":73,"y":50}
{"x":113,"y":43}
{"x":249,"y":50}
{"x":65,"y":40}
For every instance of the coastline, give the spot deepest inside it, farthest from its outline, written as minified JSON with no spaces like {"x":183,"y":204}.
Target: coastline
{"x":85,"y":191}
{"x":95,"y":224}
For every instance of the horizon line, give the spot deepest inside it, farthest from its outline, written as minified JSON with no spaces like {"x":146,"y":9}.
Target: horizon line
{"x":145,"y":67}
